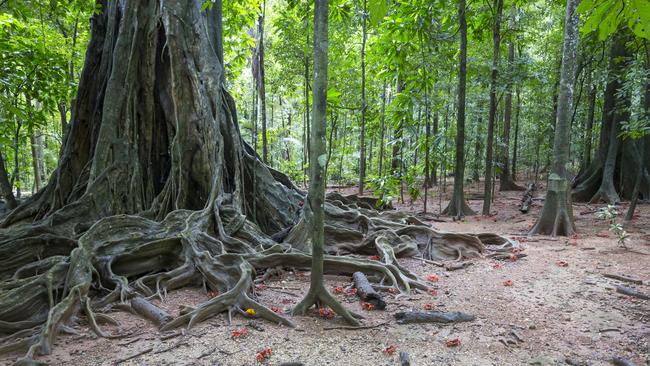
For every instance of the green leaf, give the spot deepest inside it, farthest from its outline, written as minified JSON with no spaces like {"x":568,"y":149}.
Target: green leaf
{"x":377,"y":10}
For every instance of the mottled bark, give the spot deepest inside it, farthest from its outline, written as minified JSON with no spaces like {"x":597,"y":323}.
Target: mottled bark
{"x":556,"y":217}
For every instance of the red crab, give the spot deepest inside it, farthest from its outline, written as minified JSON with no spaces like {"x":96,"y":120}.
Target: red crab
{"x":453,"y":342}
{"x":239,"y":333}
{"x":326,"y":313}
{"x":367,"y":306}
{"x":507,"y":283}
{"x":390,"y":350}
{"x":432,"y":278}
{"x":264,"y":354}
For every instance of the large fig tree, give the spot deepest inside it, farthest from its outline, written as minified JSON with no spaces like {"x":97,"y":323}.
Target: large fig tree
{"x":155,"y":190}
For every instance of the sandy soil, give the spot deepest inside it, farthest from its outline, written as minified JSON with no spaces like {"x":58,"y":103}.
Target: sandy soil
{"x":551,"y":315}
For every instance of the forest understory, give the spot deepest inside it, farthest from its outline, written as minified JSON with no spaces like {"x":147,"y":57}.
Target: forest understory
{"x":553,"y":306}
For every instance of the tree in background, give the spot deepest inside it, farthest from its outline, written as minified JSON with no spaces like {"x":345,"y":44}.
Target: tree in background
{"x":458,"y":206}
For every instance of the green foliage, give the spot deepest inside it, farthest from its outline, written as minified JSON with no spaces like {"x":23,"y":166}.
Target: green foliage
{"x":605,"y":16}
{"x":609,"y":213}
{"x":386,"y":188}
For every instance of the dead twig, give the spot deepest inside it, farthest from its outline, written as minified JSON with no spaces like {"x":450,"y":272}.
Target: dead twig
{"x":430,"y":261}
{"x":623,"y":278}
{"x":138,"y":354}
{"x":357,"y":328}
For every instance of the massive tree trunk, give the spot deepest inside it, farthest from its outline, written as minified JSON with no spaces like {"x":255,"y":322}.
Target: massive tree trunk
{"x":556,"y":217}
{"x":458,"y":206}
{"x":506,"y":182}
{"x":156,"y":189}
{"x":612,"y":173}
{"x":489,"y":164}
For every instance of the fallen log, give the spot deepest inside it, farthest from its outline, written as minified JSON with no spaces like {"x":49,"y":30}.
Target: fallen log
{"x":408,"y":317}
{"x":632,"y":292}
{"x":366,"y":292}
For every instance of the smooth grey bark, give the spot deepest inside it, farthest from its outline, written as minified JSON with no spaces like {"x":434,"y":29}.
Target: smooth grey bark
{"x":458,"y":206}
{"x":556,"y":217}
{"x":489,"y":149}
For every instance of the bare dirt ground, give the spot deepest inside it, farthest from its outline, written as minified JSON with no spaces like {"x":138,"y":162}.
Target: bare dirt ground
{"x":551,"y":315}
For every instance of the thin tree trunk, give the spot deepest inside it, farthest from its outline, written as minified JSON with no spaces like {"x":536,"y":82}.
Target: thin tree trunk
{"x":362,"y":142}
{"x":496,"y":38}
{"x":457,"y":206}
{"x":515,"y":146}
{"x":589,"y":128}
{"x":383,"y":128}
{"x":262,"y":83}
{"x":506,"y":182}
{"x":314,"y":208}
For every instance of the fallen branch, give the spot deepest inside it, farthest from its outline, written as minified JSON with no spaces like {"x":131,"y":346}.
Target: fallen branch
{"x":433,"y":317}
{"x":632,"y":292}
{"x":623,"y":278}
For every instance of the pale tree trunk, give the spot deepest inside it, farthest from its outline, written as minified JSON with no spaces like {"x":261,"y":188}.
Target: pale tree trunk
{"x":458,"y":206}
{"x":38,"y":163}
{"x":556,"y":217}
{"x":489,"y":164}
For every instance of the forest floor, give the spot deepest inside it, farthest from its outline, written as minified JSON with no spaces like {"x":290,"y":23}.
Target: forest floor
{"x":551,"y":315}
